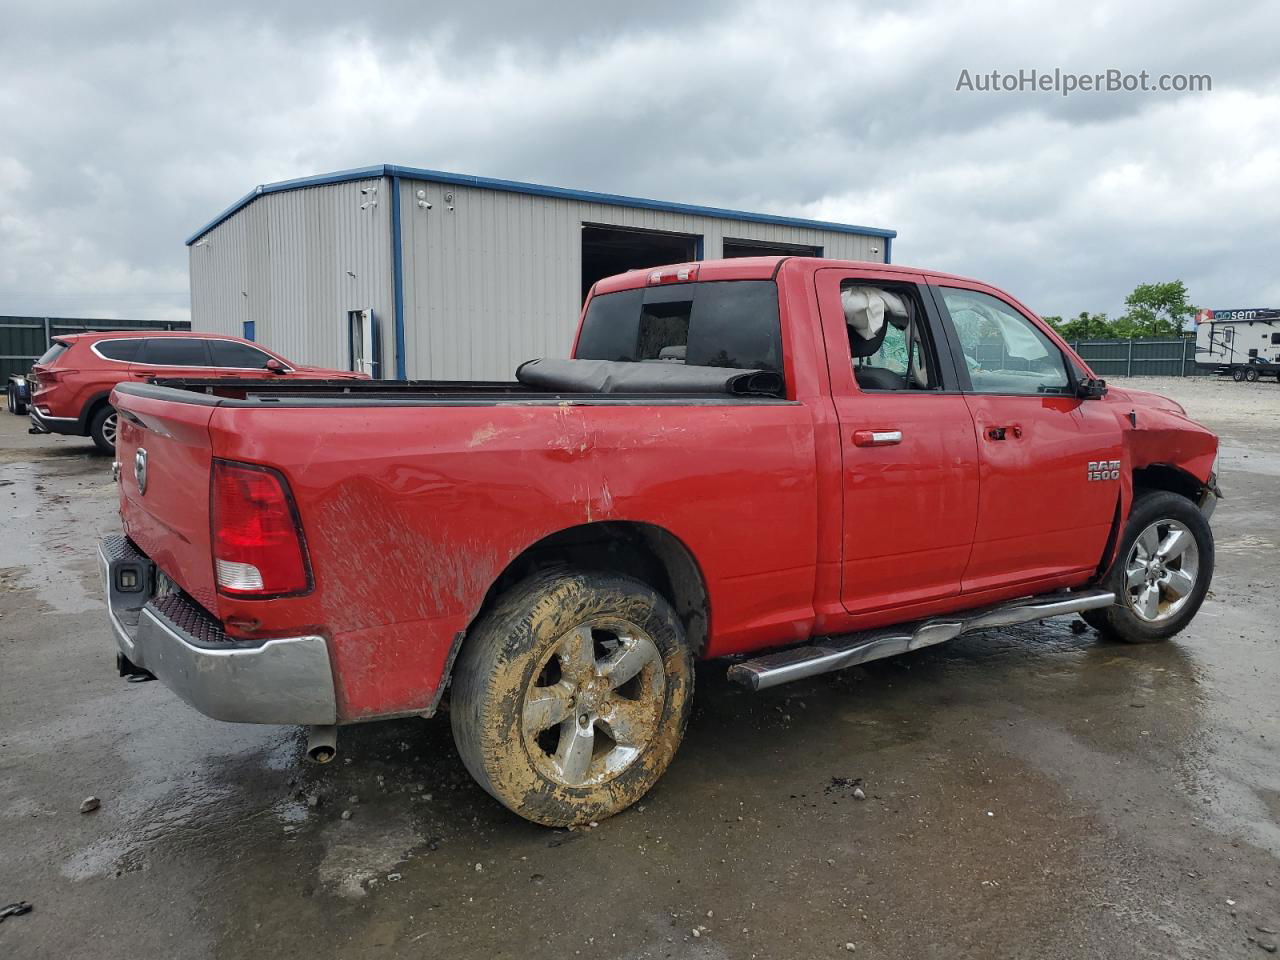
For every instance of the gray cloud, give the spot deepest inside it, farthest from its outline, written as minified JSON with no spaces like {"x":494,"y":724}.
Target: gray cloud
{"x":129,"y":125}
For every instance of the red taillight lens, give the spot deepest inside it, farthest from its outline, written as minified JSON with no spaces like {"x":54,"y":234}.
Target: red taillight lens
{"x":257,"y":540}
{"x":49,"y":375}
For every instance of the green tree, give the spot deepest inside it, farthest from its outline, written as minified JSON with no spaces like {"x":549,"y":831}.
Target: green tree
{"x":1085,"y":326}
{"x":1155,"y":310}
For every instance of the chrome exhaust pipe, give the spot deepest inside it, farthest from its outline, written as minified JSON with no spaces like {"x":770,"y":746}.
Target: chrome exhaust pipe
{"x":322,"y":743}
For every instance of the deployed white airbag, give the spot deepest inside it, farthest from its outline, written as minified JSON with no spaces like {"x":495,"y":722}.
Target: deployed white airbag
{"x":865,"y":307}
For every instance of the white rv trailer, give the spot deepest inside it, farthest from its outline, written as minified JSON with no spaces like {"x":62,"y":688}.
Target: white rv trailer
{"x":1244,"y":343}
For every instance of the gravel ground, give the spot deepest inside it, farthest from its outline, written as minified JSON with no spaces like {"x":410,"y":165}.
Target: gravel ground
{"x":1027,"y":792}
{"x":1240,"y":412}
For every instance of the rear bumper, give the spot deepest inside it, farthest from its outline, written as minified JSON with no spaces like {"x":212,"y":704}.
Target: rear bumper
{"x":283,"y":680}
{"x":41,"y":423}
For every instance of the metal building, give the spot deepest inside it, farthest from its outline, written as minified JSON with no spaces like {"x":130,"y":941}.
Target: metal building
{"x":430,"y":275}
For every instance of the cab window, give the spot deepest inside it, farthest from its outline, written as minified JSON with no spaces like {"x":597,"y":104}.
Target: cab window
{"x":1005,"y":352}
{"x":889,"y":344}
{"x":731,"y":323}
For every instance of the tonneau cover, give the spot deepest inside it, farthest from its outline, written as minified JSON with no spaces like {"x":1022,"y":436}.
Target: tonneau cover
{"x":616,"y":376}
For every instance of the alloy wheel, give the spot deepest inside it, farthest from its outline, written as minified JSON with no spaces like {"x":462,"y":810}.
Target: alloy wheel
{"x":1161,"y":571}
{"x":595,"y":704}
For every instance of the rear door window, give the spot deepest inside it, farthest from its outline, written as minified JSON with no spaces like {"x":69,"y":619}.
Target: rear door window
{"x":732,"y":323}
{"x":175,"y":352}
{"x":122,"y":350}
{"x":231,"y":353}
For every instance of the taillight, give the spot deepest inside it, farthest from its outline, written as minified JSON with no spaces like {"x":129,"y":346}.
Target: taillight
{"x":50,"y":375}
{"x":258,"y":548}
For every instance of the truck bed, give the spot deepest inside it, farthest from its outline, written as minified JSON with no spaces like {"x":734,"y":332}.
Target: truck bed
{"x":556,"y":381}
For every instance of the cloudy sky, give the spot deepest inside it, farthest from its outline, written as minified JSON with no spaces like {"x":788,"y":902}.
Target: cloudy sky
{"x":125,"y":126}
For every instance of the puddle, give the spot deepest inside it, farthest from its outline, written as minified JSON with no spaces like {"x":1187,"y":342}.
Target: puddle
{"x":51,"y":531}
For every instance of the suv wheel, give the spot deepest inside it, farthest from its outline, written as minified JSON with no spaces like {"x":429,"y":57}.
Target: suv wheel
{"x":103,"y":429}
{"x":571,"y":695}
{"x":1162,"y":571}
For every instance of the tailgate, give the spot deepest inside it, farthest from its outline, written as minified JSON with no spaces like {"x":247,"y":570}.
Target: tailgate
{"x":165,"y":462}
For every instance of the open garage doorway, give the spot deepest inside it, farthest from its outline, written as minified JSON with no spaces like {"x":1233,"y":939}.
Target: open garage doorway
{"x":763,"y":248}
{"x":610,"y":250}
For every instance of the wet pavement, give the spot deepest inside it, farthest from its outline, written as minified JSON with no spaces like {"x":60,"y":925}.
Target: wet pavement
{"x":1029,"y":792}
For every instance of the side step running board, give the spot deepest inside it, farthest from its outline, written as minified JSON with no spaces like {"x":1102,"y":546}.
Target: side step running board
{"x":836,"y":653}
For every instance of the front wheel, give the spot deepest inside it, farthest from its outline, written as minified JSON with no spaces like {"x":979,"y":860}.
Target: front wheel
{"x":571,"y":695}
{"x":1237,"y":374}
{"x":1162,"y":571}
{"x":103,"y":429}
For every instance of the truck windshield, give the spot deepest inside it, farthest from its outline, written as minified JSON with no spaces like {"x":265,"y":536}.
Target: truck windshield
{"x":731,"y":323}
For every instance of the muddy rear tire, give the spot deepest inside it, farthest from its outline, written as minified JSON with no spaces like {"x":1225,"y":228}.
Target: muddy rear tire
{"x":571,"y":695}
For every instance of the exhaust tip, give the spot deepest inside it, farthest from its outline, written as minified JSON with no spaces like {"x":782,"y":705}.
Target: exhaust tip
{"x":322,"y":744}
{"x":321,"y":754}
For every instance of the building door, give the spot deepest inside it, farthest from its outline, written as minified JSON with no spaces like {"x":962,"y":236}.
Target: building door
{"x":610,"y":250}
{"x":763,"y":248}
{"x":363,"y":343}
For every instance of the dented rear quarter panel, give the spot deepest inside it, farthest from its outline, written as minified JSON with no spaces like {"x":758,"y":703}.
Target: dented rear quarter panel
{"x":414,"y":512}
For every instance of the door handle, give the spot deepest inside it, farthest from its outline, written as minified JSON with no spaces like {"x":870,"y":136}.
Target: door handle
{"x":876,"y":438}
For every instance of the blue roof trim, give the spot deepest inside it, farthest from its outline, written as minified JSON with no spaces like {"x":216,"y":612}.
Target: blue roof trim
{"x":534,"y":189}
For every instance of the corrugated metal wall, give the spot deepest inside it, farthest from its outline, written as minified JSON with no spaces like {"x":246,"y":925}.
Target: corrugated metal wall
{"x":295,"y":263}
{"x":497,"y":279}
{"x":492,"y":282}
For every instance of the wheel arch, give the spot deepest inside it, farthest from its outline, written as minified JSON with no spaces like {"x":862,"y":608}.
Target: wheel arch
{"x":1146,"y":479}
{"x":645,"y":551}
{"x":91,"y":408}
{"x":1163,"y":476}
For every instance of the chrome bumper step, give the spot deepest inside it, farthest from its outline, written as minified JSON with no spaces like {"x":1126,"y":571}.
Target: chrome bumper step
{"x":836,"y":653}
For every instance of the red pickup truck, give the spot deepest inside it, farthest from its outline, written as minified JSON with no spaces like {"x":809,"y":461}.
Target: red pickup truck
{"x":794,"y":464}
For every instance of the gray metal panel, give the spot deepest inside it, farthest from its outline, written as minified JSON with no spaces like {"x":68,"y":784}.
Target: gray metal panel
{"x":492,"y":282}
{"x":296,"y":263}
{"x":496,"y":280}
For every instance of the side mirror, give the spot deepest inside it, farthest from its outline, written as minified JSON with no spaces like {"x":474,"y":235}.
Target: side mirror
{"x":1091,"y":388}
{"x":275,"y":366}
